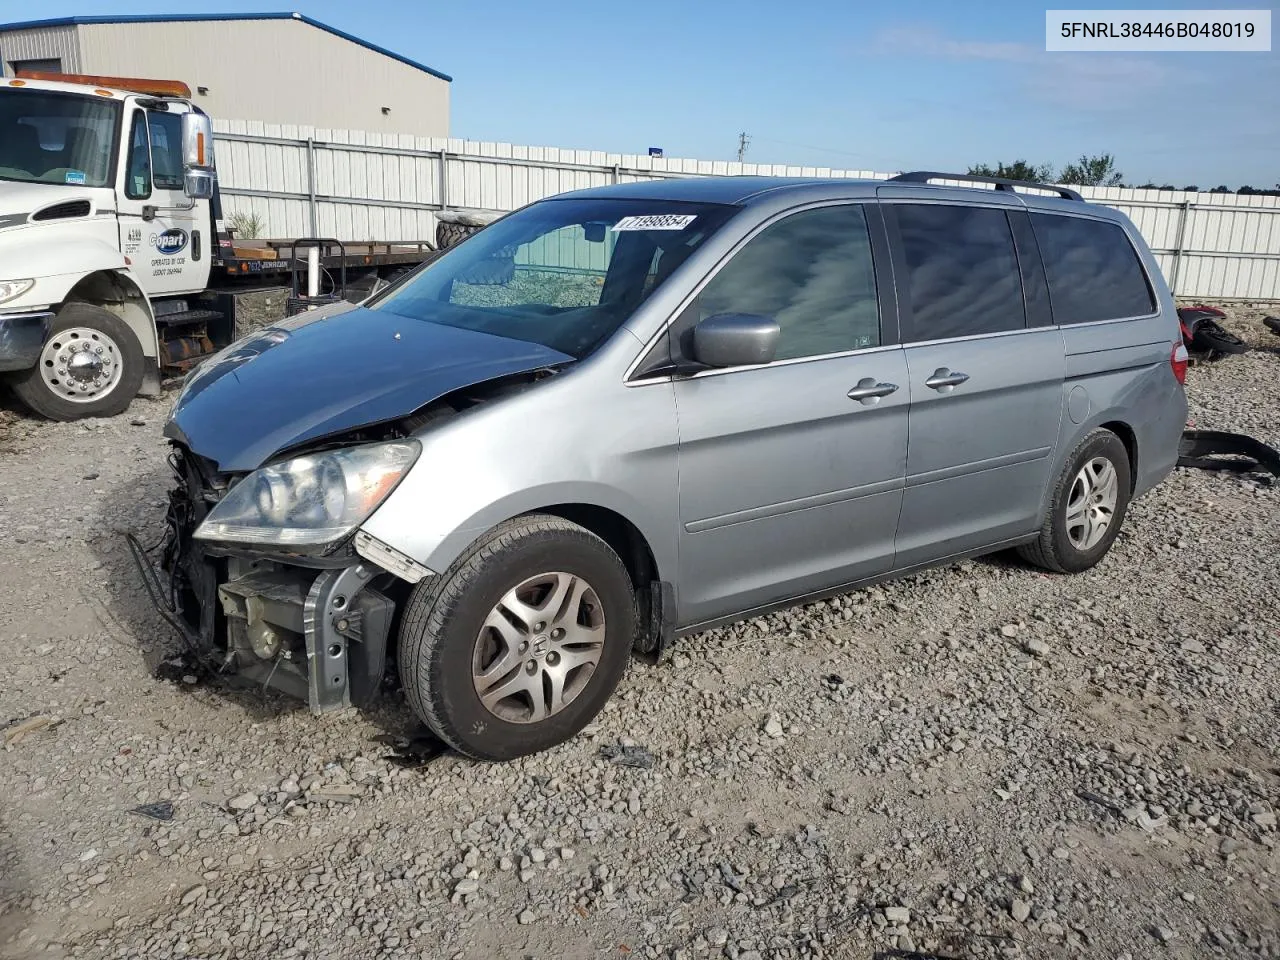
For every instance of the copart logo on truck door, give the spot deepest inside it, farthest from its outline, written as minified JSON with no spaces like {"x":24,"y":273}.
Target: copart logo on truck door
{"x":170,"y":242}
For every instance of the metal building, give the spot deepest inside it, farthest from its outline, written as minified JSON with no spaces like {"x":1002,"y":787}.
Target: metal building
{"x":273,"y":67}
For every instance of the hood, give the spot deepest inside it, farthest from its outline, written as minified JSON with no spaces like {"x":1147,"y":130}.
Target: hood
{"x":19,"y":200}
{"x":331,"y":371}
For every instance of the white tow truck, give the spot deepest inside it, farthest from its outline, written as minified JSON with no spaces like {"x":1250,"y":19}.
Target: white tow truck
{"x":113,"y":267}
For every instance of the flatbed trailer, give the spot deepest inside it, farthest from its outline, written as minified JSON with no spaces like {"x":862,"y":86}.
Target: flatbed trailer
{"x":192,"y":327}
{"x":236,"y":261}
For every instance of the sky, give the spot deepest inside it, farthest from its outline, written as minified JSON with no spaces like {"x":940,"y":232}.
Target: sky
{"x":907,"y":84}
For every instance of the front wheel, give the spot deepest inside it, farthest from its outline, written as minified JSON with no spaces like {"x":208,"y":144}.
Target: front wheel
{"x":1088,"y":506}
{"x":90,"y":366}
{"x":518,"y":645}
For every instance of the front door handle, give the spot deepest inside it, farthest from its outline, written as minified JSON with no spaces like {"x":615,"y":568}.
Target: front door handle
{"x":944,"y":379}
{"x":868,"y":391}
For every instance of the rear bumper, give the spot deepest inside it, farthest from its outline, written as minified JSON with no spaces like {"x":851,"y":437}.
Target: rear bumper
{"x":21,"y":337}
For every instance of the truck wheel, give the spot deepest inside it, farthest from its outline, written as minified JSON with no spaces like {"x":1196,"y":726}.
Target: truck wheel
{"x":91,"y":366}
{"x":1088,"y":506}
{"x":518,"y":645}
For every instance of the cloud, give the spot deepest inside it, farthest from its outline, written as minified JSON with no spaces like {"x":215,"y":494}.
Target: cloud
{"x":1084,"y":81}
{"x":931,"y":42}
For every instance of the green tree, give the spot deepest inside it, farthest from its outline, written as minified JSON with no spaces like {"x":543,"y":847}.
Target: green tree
{"x":1099,"y":171}
{"x":1018,"y":170}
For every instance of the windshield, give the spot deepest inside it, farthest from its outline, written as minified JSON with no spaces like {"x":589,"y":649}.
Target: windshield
{"x":48,"y":137}
{"x":562,"y":273}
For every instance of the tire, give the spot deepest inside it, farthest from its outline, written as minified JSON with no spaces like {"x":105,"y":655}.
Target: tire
{"x":1066,"y":546}
{"x":451,"y":234}
{"x":451,"y":648}
{"x":108,"y":338}
{"x":1212,"y":338}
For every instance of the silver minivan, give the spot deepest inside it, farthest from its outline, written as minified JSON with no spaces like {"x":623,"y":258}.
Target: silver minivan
{"x":630,"y":413}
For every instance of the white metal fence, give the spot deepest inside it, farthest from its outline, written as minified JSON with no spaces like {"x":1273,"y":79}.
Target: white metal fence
{"x":370,"y":186}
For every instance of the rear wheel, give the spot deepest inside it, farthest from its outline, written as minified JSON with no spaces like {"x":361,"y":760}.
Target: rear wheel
{"x":521,"y":642}
{"x":1088,"y":506}
{"x":91,"y":366}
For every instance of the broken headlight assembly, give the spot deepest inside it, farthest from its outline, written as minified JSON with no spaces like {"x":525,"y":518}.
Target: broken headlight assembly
{"x":312,"y":500}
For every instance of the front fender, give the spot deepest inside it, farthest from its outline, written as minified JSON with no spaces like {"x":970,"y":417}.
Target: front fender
{"x":96,"y":268}
{"x":437,"y":548}
{"x":57,"y":265}
{"x":580,"y":439}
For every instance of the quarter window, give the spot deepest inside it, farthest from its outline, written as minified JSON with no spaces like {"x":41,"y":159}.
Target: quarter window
{"x":813,"y":274}
{"x":1093,"y":271}
{"x":961,"y":271}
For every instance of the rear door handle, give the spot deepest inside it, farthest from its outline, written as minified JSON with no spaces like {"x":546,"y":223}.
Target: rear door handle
{"x":868,"y":391}
{"x":944,"y":379}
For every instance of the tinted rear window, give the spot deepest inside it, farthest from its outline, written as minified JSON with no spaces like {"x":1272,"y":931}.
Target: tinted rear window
{"x":1093,"y":271}
{"x":962,"y":271}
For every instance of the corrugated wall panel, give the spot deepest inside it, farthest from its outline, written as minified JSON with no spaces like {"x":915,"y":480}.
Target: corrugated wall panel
{"x":278,"y":71}
{"x":1231,"y":244}
{"x":40,"y":43}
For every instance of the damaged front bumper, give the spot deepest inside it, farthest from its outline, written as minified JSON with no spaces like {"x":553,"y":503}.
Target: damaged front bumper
{"x":314,"y":628}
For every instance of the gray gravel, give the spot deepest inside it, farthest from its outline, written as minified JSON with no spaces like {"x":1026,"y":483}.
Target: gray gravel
{"x":979,"y":761}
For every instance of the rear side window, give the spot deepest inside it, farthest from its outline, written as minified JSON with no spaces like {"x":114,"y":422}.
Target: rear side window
{"x":961,"y":270}
{"x":1093,"y":271}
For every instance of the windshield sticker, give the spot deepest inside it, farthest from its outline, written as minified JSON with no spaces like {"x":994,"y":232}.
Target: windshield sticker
{"x":76,"y":177}
{"x":659,"y":221}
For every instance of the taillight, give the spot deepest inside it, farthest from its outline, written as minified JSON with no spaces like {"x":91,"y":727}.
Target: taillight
{"x":1178,"y":361}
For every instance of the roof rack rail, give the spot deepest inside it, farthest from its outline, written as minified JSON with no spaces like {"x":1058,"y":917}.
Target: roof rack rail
{"x":1001,"y":183}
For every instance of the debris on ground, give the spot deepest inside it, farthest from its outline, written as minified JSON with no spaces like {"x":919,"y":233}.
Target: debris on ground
{"x":415,"y":752}
{"x":1218,"y":450}
{"x":162,"y":811}
{"x":17,"y":732}
{"x":628,"y":755}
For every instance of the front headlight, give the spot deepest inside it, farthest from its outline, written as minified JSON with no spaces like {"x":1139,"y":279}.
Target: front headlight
{"x":11,"y":289}
{"x":311,"y":500}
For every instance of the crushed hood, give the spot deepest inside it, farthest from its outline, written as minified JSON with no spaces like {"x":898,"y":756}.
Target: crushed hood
{"x":331,"y":371}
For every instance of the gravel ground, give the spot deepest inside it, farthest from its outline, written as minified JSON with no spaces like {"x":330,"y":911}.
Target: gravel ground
{"x":979,"y":761}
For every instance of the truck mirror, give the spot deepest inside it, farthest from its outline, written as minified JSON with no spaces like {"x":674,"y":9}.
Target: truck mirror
{"x":198,"y":184}
{"x":197,"y":142}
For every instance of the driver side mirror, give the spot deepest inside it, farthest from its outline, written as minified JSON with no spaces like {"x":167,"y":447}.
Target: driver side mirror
{"x":735,"y":340}
{"x":197,"y":156}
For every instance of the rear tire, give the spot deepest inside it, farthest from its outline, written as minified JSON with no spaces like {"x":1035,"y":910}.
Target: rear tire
{"x":519,"y":644}
{"x":1088,"y":505}
{"x":58,"y":392}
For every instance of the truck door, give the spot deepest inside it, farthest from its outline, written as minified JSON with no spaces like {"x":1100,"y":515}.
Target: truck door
{"x":164,"y":236}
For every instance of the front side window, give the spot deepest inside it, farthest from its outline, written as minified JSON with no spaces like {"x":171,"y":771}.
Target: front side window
{"x":811,"y":272}
{"x":961,"y":270}
{"x":1092,"y":269}
{"x":166,"y":149}
{"x":563,"y":273}
{"x":61,"y":138}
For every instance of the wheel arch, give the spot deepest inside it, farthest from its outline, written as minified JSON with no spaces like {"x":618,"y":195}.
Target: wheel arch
{"x":1130,"y":440}
{"x":118,"y":293}
{"x":622,"y":536}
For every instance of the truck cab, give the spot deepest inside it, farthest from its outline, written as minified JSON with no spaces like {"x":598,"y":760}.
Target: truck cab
{"x":106,"y":194}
